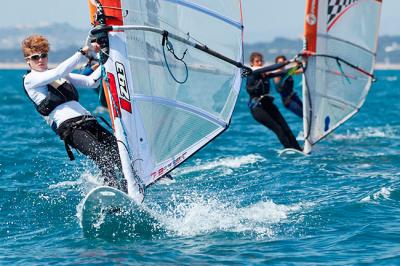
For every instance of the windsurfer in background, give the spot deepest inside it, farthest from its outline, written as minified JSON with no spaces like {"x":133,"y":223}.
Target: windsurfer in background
{"x":285,"y":86}
{"x":262,"y":107}
{"x":53,"y":93}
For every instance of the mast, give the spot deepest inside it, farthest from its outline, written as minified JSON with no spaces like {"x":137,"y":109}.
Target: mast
{"x":116,"y":81}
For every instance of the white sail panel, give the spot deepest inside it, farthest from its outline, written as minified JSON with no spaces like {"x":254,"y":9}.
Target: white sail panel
{"x":122,"y":111}
{"x":173,"y":120}
{"x":342,"y":38}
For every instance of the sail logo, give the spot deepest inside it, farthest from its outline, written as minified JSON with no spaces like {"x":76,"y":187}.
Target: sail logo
{"x":311,"y":18}
{"x":123,"y":87}
{"x":337,"y":8}
{"x":171,"y":165}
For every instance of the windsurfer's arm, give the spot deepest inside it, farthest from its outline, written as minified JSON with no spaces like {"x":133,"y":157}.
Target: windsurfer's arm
{"x":36,"y":79}
{"x":298,"y":71}
{"x":82,"y":81}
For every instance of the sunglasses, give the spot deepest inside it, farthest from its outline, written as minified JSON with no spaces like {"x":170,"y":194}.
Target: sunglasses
{"x":36,"y":57}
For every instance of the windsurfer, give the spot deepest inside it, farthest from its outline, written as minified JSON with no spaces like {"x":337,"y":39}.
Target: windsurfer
{"x":54,"y":94}
{"x":284,"y":85}
{"x":262,"y":107}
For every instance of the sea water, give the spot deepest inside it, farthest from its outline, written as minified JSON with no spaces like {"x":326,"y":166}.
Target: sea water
{"x":234,"y":202}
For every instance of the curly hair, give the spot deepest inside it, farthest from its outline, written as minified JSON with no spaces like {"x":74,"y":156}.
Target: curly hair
{"x":35,"y":44}
{"x":254,"y":55}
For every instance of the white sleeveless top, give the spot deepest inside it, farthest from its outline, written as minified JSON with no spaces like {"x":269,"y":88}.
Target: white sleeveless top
{"x":35,"y":84}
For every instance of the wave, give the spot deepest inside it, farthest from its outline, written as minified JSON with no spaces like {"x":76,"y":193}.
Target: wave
{"x":383,"y":193}
{"x":65,"y":184}
{"x":390,"y":78}
{"x":85,"y":182}
{"x":229,"y":162}
{"x":369,"y":132}
{"x":196,"y":214}
{"x":300,"y":136}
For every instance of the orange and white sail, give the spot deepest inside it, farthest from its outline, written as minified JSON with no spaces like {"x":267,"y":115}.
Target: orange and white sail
{"x":340,"y":49}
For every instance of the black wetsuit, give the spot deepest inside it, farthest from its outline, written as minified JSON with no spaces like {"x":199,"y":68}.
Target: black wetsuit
{"x":86,"y":135}
{"x":289,"y":97}
{"x":265,"y":111}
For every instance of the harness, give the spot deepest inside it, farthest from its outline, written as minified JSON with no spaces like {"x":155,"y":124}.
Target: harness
{"x":257,"y":88}
{"x":68,"y":127}
{"x":258,"y":101}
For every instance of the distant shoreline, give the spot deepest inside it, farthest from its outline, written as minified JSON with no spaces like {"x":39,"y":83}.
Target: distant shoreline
{"x":24,"y":66}
{"x":18,"y":66}
{"x":380,"y":66}
{"x":11,"y":66}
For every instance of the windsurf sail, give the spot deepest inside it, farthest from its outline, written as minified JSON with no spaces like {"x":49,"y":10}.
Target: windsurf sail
{"x":173,"y":73}
{"x":340,"y":48}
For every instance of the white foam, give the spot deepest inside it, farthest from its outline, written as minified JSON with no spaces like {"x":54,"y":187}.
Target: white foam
{"x":44,"y":197}
{"x":391,"y":78}
{"x":194,"y":215}
{"x":66,"y":184}
{"x":300,"y":136}
{"x":166,"y":181}
{"x":100,"y":220}
{"x":369,"y":132}
{"x":89,"y":182}
{"x":383,"y":193}
{"x":86,"y":178}
{"x":79,"y":209}
{"x":229,"y":162}
{"x":364,"y":165}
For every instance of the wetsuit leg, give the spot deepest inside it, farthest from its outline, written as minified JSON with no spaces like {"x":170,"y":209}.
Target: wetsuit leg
{"x":296,"y":106}
{"x":101,"y":146}
{"x":280,"y":120}
{"x":269,"y":119}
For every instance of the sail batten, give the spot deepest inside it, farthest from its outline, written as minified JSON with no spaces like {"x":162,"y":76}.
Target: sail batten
{"x":180,"y":105}
{"x":347,"y":42}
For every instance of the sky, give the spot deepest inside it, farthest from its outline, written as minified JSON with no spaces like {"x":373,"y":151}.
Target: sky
{"x":264,"y":20}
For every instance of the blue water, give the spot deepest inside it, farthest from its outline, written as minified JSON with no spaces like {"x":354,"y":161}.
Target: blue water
{"x":235,"y":202}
